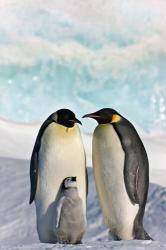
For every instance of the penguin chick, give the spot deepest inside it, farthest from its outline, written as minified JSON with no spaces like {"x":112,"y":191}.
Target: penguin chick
{"x":71,"y":222}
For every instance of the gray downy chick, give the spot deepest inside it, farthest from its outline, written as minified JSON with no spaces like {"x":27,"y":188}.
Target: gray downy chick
{"x":71,"y":221}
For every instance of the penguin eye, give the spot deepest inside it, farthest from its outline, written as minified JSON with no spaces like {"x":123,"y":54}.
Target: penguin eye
{"x":115,"y":118}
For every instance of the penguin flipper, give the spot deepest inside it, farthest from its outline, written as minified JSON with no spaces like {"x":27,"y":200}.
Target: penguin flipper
{"x":131,"y":169}
{"x":86,"y":176}
{"x":59,"y":208}
{"x":86,"y":181}
{"x":34,"y":161}
{"x":33,"y":175}
{"x":136,"y":176}
{"x":136,"y":165}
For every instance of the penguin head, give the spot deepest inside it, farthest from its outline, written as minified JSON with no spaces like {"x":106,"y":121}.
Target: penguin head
{"x":64,"y":117}
{"x":70,"y":182}
{"x":105,"y":115}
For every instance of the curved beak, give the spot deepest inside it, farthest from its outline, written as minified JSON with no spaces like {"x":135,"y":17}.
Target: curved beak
{"x":91,"y":115}
{"x":75,"y":120}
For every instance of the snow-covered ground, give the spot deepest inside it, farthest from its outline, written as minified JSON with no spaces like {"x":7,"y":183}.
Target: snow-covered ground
{"x":17,"y":217}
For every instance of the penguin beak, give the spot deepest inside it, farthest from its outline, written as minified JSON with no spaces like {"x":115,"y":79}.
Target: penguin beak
{"x":92,"y":115}
{"x":75,"y":120}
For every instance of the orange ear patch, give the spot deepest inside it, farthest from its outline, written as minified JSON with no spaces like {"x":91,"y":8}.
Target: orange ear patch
{"x":115,"y":118}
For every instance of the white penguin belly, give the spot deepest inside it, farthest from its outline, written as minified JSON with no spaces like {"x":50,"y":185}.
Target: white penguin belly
{"x":61,"y":155}
{"x":108,"y":163}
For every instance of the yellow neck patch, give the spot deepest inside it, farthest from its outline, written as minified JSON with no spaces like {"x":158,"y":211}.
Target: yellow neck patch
{"x":116,"y":118}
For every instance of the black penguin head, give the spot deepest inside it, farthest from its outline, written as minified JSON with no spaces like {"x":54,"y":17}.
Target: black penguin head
{"x":104,"y":116}
{"x":70,"y":182}
{"x":64,"y":117}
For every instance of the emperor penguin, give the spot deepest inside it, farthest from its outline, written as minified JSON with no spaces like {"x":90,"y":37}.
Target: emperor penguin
{"x":121,"y":172}
{"x":71,"y":223}
{"x":57,"y":154}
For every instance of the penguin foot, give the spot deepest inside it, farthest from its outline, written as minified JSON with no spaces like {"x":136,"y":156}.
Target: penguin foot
{"x":79,"y":242}
{"x":116,"y":238}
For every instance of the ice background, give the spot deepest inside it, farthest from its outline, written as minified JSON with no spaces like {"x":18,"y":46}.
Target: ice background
{"x":83,"y":55}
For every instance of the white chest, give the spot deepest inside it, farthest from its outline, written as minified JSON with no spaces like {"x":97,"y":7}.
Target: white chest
{"x":61,"y":155}
{"x":108,"y":163}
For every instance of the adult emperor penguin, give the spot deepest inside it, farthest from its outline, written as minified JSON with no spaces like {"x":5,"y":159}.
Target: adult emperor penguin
{"x":58,"y":153}
{"x":121,"y":171}
{"x":71,"y":221}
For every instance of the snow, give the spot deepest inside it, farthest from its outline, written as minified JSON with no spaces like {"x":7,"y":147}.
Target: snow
{"x":18,"y":219}
{"x":122,"y":245}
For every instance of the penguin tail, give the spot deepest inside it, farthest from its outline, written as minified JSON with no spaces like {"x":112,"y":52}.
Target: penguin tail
{"x":138,"y":230}
{"x":147,"y":237}
{"x":142,"y":235}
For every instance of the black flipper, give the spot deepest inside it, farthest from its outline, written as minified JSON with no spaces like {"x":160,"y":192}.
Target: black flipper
{"x":34,"y":161}
{"x":131,"y":169}
{"x":33,"y":175}
{"x":136,"y":167}
{"x":86,"y":176}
